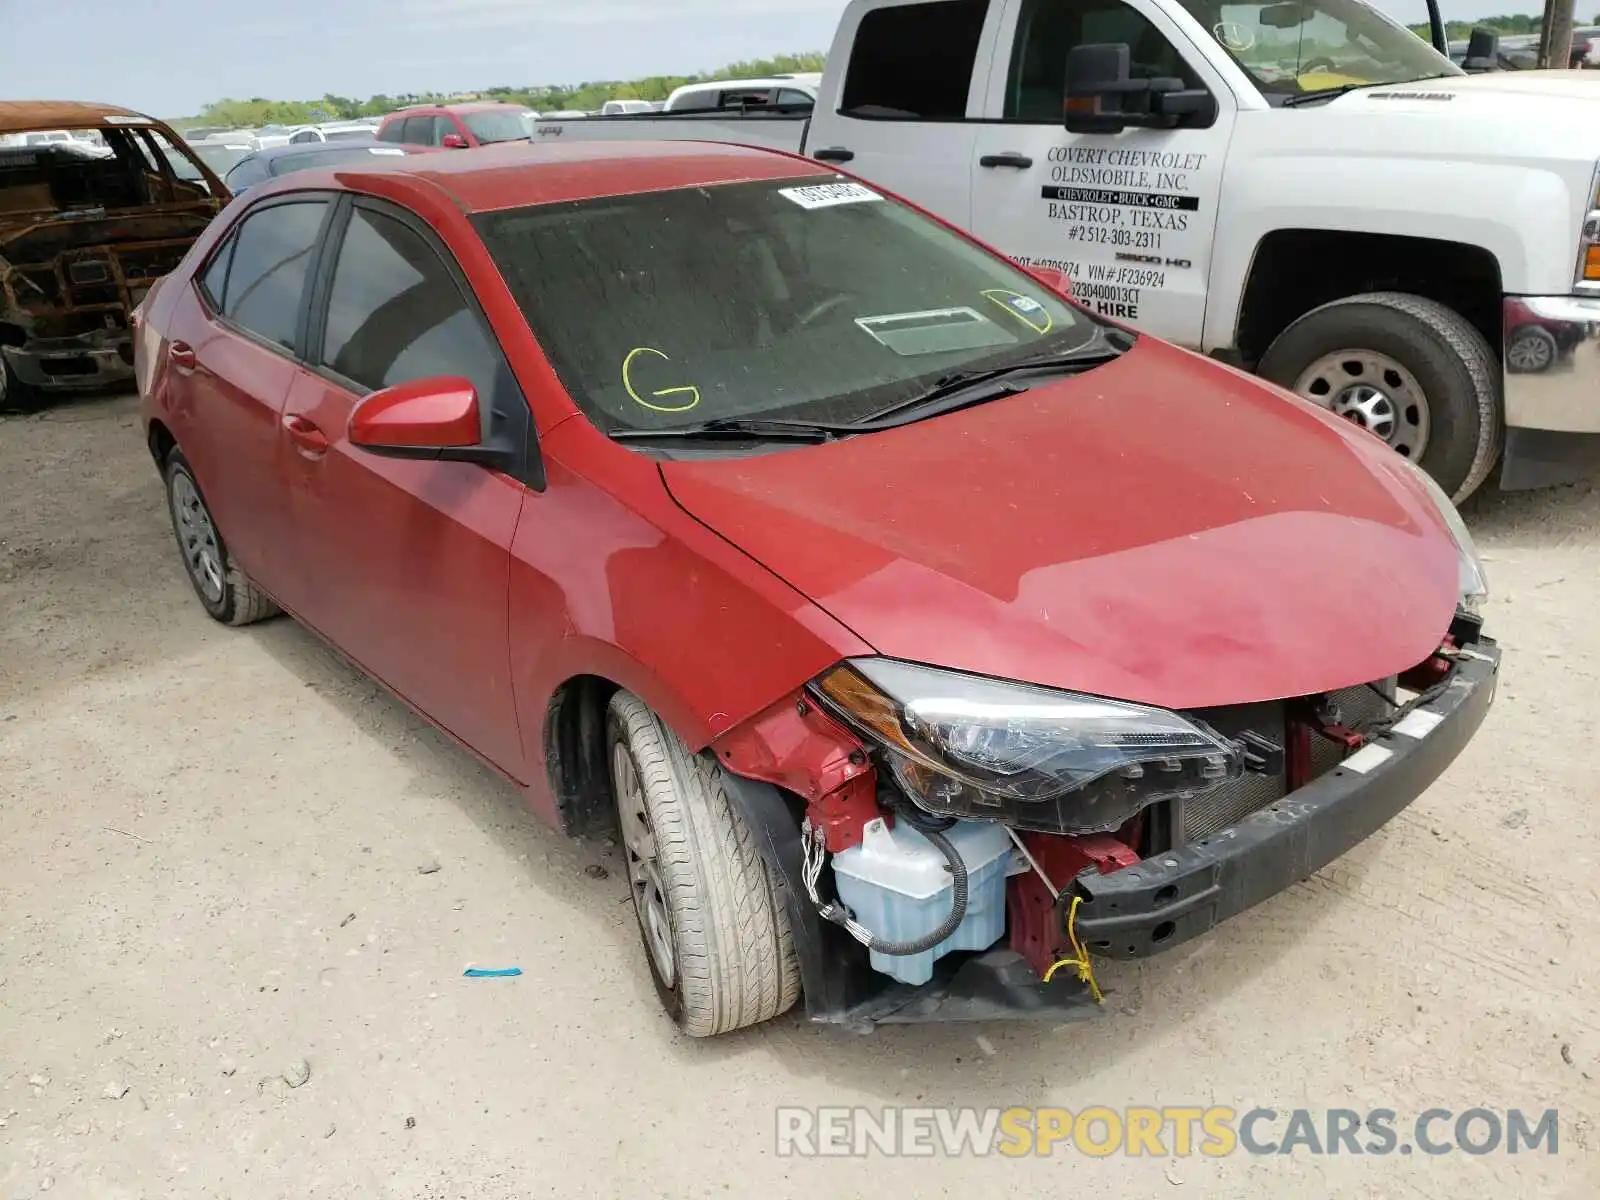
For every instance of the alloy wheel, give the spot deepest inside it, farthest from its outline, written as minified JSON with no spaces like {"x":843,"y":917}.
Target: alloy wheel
{"x":644,"y":874}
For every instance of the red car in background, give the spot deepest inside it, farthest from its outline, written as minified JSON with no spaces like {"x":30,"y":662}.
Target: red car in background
{"x":919,"y":633}
{"x":458,"y":126}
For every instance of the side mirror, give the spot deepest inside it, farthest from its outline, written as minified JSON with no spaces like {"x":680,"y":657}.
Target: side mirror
{"x":429,"y":419}
{"x":1053,"y":278}
{"x":453,"y":141}
{"x":1100,"y":85}
{"x":1483,"y":51}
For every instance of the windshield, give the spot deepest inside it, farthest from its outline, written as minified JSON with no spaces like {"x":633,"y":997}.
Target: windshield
{"x":1317,"y":45}
{"x":507,"y":126}
{"x":807,"y":299}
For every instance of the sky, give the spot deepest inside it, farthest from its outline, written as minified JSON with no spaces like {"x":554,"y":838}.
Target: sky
{"x":171,"y":57}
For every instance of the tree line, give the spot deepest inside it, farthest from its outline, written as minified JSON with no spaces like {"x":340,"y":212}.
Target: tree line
{"x":250,"y":114}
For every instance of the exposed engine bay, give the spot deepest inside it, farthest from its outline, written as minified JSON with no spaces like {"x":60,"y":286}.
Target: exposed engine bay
{"x":88,"y":224}
{"x":933,"y":874}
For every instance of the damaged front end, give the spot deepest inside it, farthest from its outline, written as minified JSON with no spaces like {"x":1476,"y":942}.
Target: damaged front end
{"x":956,"y":848}
{"x":69,"y":285}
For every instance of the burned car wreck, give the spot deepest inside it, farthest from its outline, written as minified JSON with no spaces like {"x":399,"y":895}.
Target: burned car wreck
{"x":88,"y":222}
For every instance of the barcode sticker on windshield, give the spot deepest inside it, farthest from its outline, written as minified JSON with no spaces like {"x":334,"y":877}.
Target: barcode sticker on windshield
{"x":827,"y":195}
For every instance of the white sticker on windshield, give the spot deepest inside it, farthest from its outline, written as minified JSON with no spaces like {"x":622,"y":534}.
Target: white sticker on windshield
{"x":114,"y":119}
{"x":394,"y":150}
{"x":828,"y":195}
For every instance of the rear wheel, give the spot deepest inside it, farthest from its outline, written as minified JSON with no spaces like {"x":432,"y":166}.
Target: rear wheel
{"x":1407,"y":369}
{"x":224,"y":590}
{"x":715,"y":931}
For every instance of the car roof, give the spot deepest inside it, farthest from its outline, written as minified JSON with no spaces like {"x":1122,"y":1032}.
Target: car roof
{"x":28,"y":116}
{"x":517,"y":174}
{"x":465,"y":106}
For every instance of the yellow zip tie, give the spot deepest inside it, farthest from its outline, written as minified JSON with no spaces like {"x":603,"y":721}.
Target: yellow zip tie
{"x":1080,"y":956}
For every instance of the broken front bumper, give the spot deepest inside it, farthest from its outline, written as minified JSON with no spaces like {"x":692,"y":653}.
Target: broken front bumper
{"x":1172,"y":897}
{"x":72,"y":364}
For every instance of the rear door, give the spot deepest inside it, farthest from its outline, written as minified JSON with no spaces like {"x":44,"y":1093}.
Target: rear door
{"x":408,"y":563}
{"x":902,"y":111}
{"x":235,"y":335}
{"x":1128,"y":216}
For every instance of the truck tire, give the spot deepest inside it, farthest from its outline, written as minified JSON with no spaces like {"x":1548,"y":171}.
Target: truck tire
{"x":226,"y":592}
{"x":716,"y":933}
{"x":1408,"y":369}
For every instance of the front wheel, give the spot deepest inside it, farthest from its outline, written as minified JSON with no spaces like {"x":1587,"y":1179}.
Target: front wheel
{"x":1406,"y":369}
{"x":715,"y":930}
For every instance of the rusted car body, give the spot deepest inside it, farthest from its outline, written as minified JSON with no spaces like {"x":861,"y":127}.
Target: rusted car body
{"x":87,"y":225}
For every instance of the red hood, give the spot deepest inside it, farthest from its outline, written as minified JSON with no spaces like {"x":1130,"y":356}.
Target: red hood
{"x":1161,"y":529}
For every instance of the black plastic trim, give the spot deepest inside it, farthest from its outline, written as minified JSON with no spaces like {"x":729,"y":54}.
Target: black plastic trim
{"x":1172,"y":897}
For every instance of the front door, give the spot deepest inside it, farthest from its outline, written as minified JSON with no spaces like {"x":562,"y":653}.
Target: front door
{"x":409,"y":562}
{"x":1128,"y":216}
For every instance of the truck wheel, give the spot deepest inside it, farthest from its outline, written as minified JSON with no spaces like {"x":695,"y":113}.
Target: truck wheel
{"x":1407,"y":369}
{"x":224,"y":590}
{"x":715,"y":931}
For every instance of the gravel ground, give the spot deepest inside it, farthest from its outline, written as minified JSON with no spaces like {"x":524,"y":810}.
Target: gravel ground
{"x":240,"y":885}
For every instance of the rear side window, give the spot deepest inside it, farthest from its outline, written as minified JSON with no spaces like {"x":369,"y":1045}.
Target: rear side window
{"x":914,"y":62}
{"x":269,"y":261}
{"x":418,"y":131}
{"x":391,"y":131}
{"x":395,"y":313}
{"x":247,"y":172}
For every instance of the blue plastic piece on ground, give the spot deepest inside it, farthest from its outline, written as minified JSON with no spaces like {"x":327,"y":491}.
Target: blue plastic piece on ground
{"x":481,"y":973}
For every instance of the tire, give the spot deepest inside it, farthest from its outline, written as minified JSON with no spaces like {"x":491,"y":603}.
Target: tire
{"x":224,"y":590}
{"x":15,"y":396}
{"x":1531,"y":350}
{"x":1439,"y":354}
{"x":715,"y":930}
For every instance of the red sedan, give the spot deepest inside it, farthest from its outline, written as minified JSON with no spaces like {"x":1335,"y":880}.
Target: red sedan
{"x":923,"y":637}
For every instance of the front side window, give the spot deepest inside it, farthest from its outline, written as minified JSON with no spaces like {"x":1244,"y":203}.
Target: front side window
{"x":270,"y":264}
{"x":1304,"y":46}
{"x":1048,"y":30}
{"x":418,"y":131}
{"x":913,"y":62}
{"x":396,"y":315}
{"x":496,"y":126}
{"x":814,"y":299}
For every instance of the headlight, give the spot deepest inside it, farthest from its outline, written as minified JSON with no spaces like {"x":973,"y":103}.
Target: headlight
{"x":1472,"y":582}
{"x":1057,"y":762}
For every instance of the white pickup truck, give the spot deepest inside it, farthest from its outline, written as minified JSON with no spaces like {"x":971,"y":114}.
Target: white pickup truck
{"x":1304,"y":189}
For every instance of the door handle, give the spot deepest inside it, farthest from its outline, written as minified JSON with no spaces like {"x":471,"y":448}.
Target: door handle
{"x":1009,"y":159}
{"x":181,"y":355}
{"x":303,"y":432}
{"x":834,"y":154}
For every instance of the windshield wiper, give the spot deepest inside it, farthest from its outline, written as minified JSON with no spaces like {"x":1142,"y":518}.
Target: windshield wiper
{"x":964,"y":389}
{"x":1327,"y":93}
{"x":741,"y":428}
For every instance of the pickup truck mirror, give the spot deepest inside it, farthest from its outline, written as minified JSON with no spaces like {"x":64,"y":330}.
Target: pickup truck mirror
{"x":1099,"y":81}
{"x":1483,"y":51}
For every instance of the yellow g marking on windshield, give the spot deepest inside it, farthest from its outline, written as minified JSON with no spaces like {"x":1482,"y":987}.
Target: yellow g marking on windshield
{"x":1024,"y":308}
{"x":627,"y":382}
